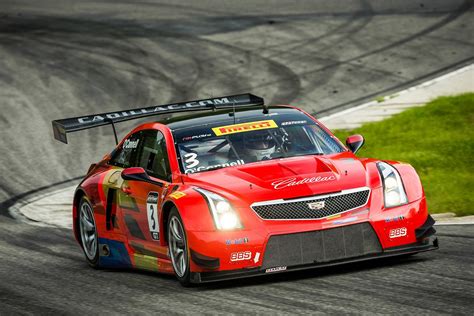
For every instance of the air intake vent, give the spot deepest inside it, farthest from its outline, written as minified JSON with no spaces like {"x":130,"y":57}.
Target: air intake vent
{"x":314,"y":207}
{"x":321,"y":246}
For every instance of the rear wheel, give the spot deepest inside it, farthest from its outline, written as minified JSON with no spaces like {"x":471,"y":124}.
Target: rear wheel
{"x":178,"y":247}
{"x":88,"y":233}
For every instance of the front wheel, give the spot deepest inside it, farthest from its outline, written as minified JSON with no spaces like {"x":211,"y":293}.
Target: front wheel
{"x":88,"y":232}
{"x":178,"y":248}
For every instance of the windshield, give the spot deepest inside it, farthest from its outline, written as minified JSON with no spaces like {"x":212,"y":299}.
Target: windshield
{"x":215,"y":146}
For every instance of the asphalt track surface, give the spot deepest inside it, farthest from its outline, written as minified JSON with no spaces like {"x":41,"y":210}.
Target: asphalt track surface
{"x":60,"y":59}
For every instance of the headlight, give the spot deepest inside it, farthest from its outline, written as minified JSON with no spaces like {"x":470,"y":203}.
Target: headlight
{"x":394,"y":193}
{"x":225,"y":217}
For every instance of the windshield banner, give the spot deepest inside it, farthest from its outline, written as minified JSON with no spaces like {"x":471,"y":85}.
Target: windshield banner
{"x":244,"y":127}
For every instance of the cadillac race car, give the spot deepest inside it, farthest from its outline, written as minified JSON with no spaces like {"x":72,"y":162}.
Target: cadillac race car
{"x":240,"y":189}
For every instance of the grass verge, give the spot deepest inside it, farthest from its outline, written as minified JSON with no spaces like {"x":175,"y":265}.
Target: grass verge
{"x":438,"y":140}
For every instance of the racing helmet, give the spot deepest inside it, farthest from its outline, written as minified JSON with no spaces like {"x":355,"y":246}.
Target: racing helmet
{"x":259,"y":144}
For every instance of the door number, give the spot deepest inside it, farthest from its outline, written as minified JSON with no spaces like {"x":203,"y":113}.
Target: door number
{"x":152,"y":215}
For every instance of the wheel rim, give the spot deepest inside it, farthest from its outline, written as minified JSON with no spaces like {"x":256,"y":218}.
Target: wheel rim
{"x":178,"y":247}
{"x":88,"y":231}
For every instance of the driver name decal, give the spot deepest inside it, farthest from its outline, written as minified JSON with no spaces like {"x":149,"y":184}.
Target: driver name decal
{"x":216,"y":166}
{"x":291,"y":182}
{"x":244,"y":127}
{"x":130,"y":144}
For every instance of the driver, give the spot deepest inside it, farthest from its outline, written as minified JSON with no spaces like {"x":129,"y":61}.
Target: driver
{"x":258,"y":145}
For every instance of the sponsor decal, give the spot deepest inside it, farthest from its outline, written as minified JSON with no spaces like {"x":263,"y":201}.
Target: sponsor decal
{"x":244,"y":127}
{"x":333,"y":216}
{"x":345,"y":220}
{"x":316,"y":205}
{"x":276,"y":269}
{"x":291,"y":182}
{"x":240,"y":256}
{"x":177,"y":195}
{"x":398,"y":232}
{"x":238,"y":241}
{"x":130,"y":144}
{"x":227,"y":164}
{"x":293,"y":123}
{"x":395,"y":219}
{"x":138,"y":112}
{"x":188,"y":138}
{"x":152,"y":215}
{"x":257,"y":257}
{"x":361,"y":212}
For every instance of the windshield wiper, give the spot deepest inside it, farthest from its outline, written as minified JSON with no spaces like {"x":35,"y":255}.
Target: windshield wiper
{"x":281,"y":155}
{"x":311,"y":154}
{"x":277,"y":156}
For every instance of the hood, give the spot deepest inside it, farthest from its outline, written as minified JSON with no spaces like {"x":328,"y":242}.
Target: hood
{"x":284,"y":178}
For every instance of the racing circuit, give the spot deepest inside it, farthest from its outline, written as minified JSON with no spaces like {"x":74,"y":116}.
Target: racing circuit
{"x":64,"y":58}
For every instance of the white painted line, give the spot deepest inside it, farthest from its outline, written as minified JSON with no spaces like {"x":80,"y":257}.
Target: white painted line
{"x":53,"y":208}
{"x":402,"y":92}
{"x":454,"y":223}
{"x":451,"y":219}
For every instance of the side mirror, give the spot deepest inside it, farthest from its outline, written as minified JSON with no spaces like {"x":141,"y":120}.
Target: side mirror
{"x":355,"y":142}
{"x":136,"y":174}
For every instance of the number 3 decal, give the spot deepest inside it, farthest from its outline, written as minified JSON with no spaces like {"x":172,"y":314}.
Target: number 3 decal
{"x":152,"y":215}
{"x":190,"y":160}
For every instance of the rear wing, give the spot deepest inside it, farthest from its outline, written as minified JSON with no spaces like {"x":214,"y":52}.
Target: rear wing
{"x":67,"y":125}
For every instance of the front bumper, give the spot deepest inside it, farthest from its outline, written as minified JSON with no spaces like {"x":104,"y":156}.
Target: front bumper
{"x":321,"y":248}
{"x":427,"y":244}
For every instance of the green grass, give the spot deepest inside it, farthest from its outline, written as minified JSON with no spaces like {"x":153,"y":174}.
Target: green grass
{"x":438,"y":140}
{"x":380,"y":99}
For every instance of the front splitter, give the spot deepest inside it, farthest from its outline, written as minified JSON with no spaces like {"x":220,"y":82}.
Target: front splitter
{"x":427,"y":244}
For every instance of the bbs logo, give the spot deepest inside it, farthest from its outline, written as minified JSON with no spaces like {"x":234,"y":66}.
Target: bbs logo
{"x":240,"y":256}
{"x":398,"y":232}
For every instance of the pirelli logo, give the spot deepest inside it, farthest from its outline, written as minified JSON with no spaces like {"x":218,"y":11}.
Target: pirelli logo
{"x":244,"y":127}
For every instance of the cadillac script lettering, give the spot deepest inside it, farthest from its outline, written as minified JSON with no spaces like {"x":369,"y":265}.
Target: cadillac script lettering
{"x":281,"y":184}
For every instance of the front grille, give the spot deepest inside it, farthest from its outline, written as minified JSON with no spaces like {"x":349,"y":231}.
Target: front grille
{"x":300,"y":209}
{"x":321,"y":246}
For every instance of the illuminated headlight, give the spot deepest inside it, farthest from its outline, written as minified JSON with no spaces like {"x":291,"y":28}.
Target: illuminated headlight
{"x":394,"y":193}
{"x":225,"y":217}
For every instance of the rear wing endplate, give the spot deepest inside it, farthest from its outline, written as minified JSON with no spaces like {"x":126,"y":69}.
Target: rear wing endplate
{"x":64,"y":126}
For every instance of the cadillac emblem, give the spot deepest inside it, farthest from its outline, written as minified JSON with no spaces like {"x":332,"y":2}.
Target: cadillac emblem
{"x":316,"y":205}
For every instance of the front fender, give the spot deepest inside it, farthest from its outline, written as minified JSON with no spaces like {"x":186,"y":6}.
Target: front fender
{"x":411,"y":181}
{"x":193,"y":209}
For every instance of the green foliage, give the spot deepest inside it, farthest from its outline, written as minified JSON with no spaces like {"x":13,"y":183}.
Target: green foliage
{"x":438,"y":140}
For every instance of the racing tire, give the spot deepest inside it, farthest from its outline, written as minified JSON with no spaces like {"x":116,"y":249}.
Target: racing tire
{"x":88,"y":232}
{"x":178,"y":248}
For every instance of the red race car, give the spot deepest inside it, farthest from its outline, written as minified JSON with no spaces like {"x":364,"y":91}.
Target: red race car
{"x":241,"y":189}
